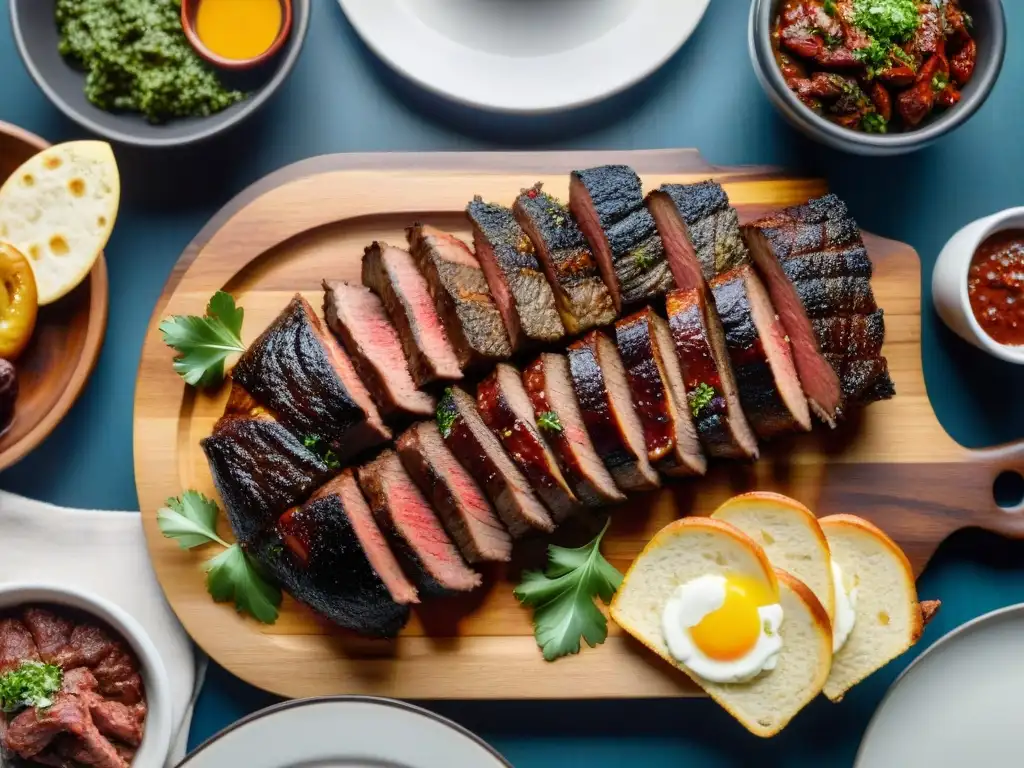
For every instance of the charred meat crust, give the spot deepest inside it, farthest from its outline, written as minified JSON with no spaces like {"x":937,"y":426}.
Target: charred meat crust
{"x":853,"y":336}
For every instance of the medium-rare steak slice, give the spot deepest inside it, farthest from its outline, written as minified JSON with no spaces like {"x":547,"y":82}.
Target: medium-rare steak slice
{"x":299,"y":370}
{"x":602,"y":390}
{"x":479,"y":451}
{"x":391,"y":273}
{"x":701,"y":231}
{"x":461,"y":296}
{"x":761,"y":356}
{"x":505,"y":408}
{"x":548,"y":382}
{"x":581,"y":296}
{"x":330,"y":555}
{"x":406,"y":517}
{"x":357,"y":315}
{"x":713,"y":396}
{"x":516,"y":278}
{"x":659,"y":394}
{"x":608,"y":203}
{"x":459,"y":501}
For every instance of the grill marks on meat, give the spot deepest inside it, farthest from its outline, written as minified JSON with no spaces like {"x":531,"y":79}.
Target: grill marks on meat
{"x":609,"y":207}
{"x":854,"y":336}
{"x":701,"y":231}
{"x":478,"y":450}
{"x":407,"y":518}
{"x":517,"y":281}
{"x":391,"y":273}
{"x":760,"y":353}
{"x":459,"y":501}
{"x":357,"y":315}
{"x":602,"y":391}
{"x":298,"y":370}
{"x":713,"y":396}
{"x":659,"y":394}
{"x":505,"y":408}
{"x":548,"y":383}
{"x":461,"y":296}
{"x":581,"y":296}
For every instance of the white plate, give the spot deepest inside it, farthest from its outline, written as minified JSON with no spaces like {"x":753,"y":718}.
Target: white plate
{"x":344,"y":731}
{"x":525,"y":55}
{"x":961,"y":703}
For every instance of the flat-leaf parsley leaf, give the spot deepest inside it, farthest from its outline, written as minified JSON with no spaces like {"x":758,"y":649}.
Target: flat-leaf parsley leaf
{"x":204,"y":343}
{"x":190,"y":520}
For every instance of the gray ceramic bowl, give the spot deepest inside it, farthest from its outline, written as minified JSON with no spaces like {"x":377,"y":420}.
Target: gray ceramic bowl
{"x":989,"y":31}
{"x":36,"y":36}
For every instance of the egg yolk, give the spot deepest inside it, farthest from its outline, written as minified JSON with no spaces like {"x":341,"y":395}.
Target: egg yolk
{"x":732,"y":631}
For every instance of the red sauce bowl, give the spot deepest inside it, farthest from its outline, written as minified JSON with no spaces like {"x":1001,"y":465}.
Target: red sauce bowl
{"x":189,"y":10}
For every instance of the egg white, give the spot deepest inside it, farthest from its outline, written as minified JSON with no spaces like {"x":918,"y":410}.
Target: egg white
{"x":685,"y":609}
{"x":846,"y":609}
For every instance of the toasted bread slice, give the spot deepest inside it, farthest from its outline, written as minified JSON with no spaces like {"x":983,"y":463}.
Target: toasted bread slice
{"x":697,"y":546}
{"x":889,"y":618}
{"x":791,"y":537}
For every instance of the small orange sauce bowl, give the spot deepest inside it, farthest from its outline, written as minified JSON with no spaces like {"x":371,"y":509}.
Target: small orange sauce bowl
{"x":189,"y":8}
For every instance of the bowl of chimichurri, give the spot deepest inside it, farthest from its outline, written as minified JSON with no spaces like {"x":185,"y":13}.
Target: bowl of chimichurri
{"x":125,"y":70}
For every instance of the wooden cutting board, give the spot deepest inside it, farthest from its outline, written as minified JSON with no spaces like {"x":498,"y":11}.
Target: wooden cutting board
{"x":893,"y":463}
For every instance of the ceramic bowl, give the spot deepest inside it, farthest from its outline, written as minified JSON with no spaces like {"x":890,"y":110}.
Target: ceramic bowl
{"x":949,"y":282}
{"x":989,"y":32}
{"x":156,"y":739}
{"x":189,"y":9}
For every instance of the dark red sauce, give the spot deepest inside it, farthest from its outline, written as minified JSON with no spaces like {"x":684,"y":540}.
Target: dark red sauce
{"x":995,"y":284}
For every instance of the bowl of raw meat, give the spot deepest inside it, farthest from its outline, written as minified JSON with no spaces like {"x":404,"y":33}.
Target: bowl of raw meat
{"x":877,"y":77}
{"x":80,"y":682}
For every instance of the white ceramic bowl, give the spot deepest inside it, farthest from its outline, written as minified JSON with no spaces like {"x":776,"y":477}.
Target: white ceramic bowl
{"x":156,"y":740}
{"x":949,"y":282}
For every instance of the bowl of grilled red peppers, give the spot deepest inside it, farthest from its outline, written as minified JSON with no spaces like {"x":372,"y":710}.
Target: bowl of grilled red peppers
{"x":877,"y":77}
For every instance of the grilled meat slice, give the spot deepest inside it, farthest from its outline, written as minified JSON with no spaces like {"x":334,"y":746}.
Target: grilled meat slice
{"x":713,"y":397}
{"x":298,"y":370}
{"x":761,"y":356}
{"x":548,"y":383}
{"x":517,"y":282}
{"x":391,"y":273}
{"x":701,"y":231}
{"x":430,"y":557}
{"x":461,"y":296}
{"x":460,"y":502}
{"x":356,"y":314}
{"x":479,"y":451}
{"x":581,"y":296}
{"x":853,"y":336}
{"x":608,"y":203}
{"x":864,"y":380}
{"x":505,"y":408}
{"x":659,"y":394}
{"x":602,"y":390}
{"x":330,"y":555}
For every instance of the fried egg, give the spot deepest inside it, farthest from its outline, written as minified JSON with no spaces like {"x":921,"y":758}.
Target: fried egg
{"x":724,"y":628}
{"x":846,"y":608}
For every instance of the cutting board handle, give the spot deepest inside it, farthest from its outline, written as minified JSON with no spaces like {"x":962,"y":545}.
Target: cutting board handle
{"x":993,"y":462}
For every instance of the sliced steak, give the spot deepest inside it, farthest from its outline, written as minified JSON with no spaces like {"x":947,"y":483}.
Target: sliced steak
{"x":852,"y":336}
{"x":357,"y":315}
{"x":516,"y":278}
{"x":298,"y":370}
{"x":432,"y":560}
{"x":32,"y":730}
{"x":548,"y":382}
{"x":506,"y":409}
{"x":79,"y":681}
{"x":87,"y":647}
{"x":602,"y":390}
{"x":459,"y":501}
{"x":49,"y":631}
{"x":581,"y":296}
{"x":391,"y":273}
{"x":117,"y":676}
{"x":701,"y":231}
{"x":761,"y":355}
{"x":461,"y":296}
{"x":478,"y":450}
{"x":713,"y":396}
{"x":116,"y":721}
{"x":16,"y":645}
{"x":608,"y":203}
{"x":659,"y":394}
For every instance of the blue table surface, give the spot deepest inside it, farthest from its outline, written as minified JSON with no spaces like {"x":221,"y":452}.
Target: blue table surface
{"x":341,"y":99}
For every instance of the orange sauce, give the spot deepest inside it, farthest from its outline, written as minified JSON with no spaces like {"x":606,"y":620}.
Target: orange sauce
{"x":238,"y":29}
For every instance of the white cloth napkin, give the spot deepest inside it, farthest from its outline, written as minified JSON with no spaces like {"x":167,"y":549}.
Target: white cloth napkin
{"x":105,"y":553}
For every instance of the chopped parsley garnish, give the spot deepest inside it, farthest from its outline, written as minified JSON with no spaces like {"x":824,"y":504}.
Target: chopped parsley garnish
{"x":940,"y":81}
{"x":549,"y":422}
{"x":32,"y":684}
{"x":446,"y":413}
{"x":701,"y":397}
{"x":968,"y":20}
{"x":873,"y":122}
{"x":316,"y":444}
{"x":832,"y":40}
{"x":889,"y":24}
{"x":644,"y":258}
{"x":829,"y":7}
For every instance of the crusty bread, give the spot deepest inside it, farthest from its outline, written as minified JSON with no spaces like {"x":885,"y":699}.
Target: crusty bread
{"x":789,"y":534}
{"x":889,"y":617}
{"x":697,"y":546}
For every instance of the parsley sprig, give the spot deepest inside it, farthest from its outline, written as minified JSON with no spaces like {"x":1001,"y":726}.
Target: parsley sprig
{"x":204,"y":343}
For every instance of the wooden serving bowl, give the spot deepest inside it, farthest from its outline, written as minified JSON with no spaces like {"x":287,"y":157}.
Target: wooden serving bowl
{"x":67,"y":339}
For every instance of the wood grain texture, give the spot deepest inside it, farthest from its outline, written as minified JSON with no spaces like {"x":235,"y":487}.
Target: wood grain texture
{"x":67,"y":340}
{"x":893,"y":463}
